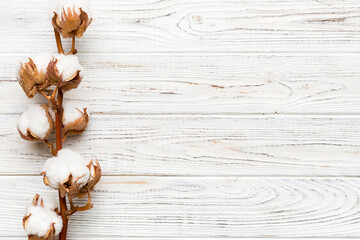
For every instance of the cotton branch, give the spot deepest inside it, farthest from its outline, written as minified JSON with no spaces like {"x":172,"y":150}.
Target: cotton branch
{"x":66,"y":171}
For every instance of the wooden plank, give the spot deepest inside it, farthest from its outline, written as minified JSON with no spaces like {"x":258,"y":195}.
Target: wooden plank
{"x":177,"y":238}
{"x":201,"y":207}
{"x":192,"y":25}
{"x":201,"y":146}
{"x":206,"y":83}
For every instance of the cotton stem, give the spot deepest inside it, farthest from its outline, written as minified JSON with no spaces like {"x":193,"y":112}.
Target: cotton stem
{"x":73,"y":50}
{"x":58,"y":42}
{"x":51,"y":99}
{"x":58,"y":128}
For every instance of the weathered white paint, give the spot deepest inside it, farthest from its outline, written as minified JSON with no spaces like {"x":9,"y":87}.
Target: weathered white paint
{"x":193,"y":25}
{"x":178,"y":90}
{"x":206,"y":83}
{"x":202,"y":207}
{"x":201,"y":145}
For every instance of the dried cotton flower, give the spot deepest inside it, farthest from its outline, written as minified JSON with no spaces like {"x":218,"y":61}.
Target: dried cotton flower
{"x":71,"y":17}
{"x":70,"y":173}
{"x":31,"y":74}
{"x":42,"y":219}
{"x":65,"y":71}
{"x":74,"y":120}
{"x":35,"y":124}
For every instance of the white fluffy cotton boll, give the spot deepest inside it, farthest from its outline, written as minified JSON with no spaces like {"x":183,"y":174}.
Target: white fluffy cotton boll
{"x":68,"y":66}
{"x":40,"y":215}
{"x":72,"y":112}
{"x":58,"y":5}
{"x":77,"y":165}
{"x":41,"y":220}
{"x":35,"y":119}
{"x":58,"y":169}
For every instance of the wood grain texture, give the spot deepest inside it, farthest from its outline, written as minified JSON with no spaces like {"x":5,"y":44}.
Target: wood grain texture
{"x":175,"y":238}
{"x":205,"y":83}
{"x":201,"y":207}
{"x":184,"y":98}
{"x":201,"y":146}
{"x":192,"y":25}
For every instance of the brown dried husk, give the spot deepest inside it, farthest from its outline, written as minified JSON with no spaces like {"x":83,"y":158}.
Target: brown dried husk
{"x":78,"y":126}
{"x":55,"y":77}
{"x":71,"y":23}
{"x":49,"y":235}
{"x":89,"y":187}
{"x":32,"y":137}
{"x":31,"y":79}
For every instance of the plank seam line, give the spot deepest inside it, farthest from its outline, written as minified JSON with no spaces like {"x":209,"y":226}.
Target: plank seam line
{"x":198,"y":237}
{"x":195,"y":52}
{"x":322,"y":115}
{"x":207,"y":176}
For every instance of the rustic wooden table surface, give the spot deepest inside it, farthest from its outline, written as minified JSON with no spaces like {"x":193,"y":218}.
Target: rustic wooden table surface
{"x":211,"y":118}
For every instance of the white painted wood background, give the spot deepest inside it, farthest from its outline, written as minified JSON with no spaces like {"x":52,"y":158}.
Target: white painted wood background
{"x":211,"y":118}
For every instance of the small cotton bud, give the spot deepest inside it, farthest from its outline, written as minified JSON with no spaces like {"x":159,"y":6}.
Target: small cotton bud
{"x":71,"y":17}
{"x":35,"y":124}
{"x":42,"y":219}
{"x":31,"y":74}
{"x":75,"y":120}
{"x":65,"y":71}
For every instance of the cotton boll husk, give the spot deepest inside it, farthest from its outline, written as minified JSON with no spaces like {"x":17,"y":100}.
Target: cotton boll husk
{"x":41,"y":61}
{"x":75,"y":119}
{"x":68,"y":65}
{"x":36,"y":119}
{"x":31,"y":73}
{"x":58,"y":5}
{"x":71,"y":112}
{"x":92,"y":172}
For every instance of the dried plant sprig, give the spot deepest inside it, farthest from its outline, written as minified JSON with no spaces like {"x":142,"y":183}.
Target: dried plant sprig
{"x":51,"y":76}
